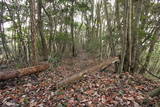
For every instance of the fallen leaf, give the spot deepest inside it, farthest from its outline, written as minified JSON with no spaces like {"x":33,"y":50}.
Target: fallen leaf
{"x":89,"y":92}
{"x":136,"y":104}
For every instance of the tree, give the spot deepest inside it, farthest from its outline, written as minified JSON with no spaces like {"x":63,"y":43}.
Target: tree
{"x":2,"y":35}
{"x":63,"y":27}
{"x":33,"y":31}
{"x":72,"y":27}
{"x":40,"y":31}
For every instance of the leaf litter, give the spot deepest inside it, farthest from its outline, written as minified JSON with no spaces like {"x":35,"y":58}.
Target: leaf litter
{"x":99,"y":89}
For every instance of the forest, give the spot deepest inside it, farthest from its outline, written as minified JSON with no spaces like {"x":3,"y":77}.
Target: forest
{"x":79,"y":53}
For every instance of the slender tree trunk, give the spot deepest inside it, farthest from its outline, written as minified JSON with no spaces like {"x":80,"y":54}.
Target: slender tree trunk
{"x":22,"y":46}
{"x":98,"y":10}
{"x":72,"y":29}
{"x":4,"y":43}
{"x":135,"y":47}
{"x":130,"y":35}
{"x":40,"y":30}
{"x":124,"y":39}
{"x":33,"y":31}
{"x":51,"y":29}
{"x":111,"y":42}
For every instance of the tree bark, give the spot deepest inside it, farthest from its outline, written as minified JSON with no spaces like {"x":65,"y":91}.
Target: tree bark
{"x":21,"y":72}
{"x":130,"y":35}
{"x":124,"y":39}
{"x":72,"y":29}
{"x":50,"y":20}
{"x":33,"y":31}
{"x":111,"y":41}
{"x":40,"y":30}
{"x":135,"y":42}
{"x":2,"y":35}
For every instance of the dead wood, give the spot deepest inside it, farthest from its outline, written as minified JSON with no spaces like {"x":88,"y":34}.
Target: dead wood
{"x":155,"y":92}
{"x":21,"y":72}
{"x":78,"y":76}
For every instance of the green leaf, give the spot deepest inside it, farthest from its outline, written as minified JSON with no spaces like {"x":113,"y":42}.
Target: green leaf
{"x":62,"y":37}
{"x":82,"y":7}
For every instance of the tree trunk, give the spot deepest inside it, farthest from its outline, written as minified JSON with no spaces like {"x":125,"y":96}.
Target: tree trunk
{"x":2,"y":35}
{"x":33,"y":32}
{"x":111,"y":41}
{"x":124,"y":39}
{"x":40,"y":30}
{"x":51,"y":29}
{"x":72,"y":29}
{"x":135,"y":47}
{"x":21,"y":72}
{"x":130,"y":35}
{"x":99,"y":27}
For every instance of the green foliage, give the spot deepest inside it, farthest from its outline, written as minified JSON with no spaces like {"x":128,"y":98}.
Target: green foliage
{"x":142,"y":33}
{"x":6,"y":18}
{"x":54,"y":60}
{"x":82,"y":7}
{"x":93,"y":45}
{"x":2,"y":35}
{"x":63,"y":1}
{"x":144,"y":17}
{"x":76,"y":24}
{"x":18,"y":65}
{"x":154,"y":61}
{"x":65,"y":9}
{"x":63,"y":37}
{"x":67,"y":20}
{"x":78,"y":6}
{"x":156,"y":8}
{"x":12,"y":28}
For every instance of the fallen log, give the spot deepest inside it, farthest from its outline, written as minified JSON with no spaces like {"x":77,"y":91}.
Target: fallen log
{"x":78,"y":76}
{"x":155,"y":92}
{"x":21,"y":72}
{"x":152,"y":93}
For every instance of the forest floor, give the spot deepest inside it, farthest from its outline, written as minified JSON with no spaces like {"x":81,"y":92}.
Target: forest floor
{"x":98,"y":89}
